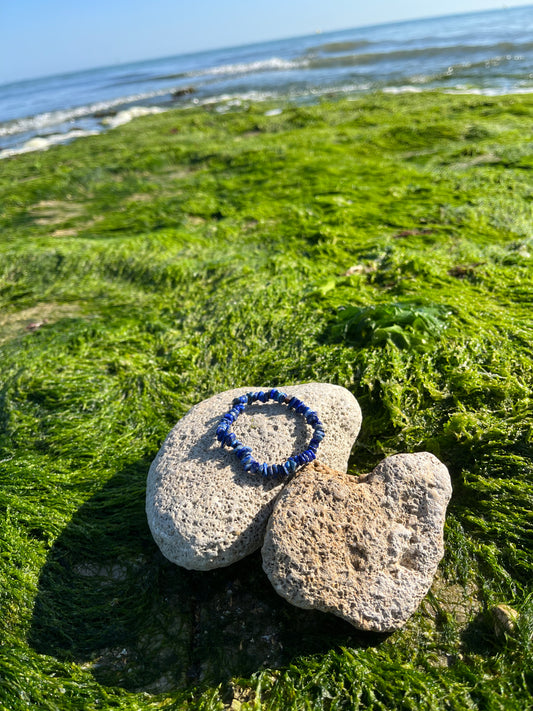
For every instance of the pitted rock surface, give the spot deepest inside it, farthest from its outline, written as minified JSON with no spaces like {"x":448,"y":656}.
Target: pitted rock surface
{"x":363,"y":548}
{"x":203,"y":509}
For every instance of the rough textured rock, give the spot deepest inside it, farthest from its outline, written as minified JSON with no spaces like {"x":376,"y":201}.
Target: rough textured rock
{"x":365,"y":549}
{"x":203,"y":509}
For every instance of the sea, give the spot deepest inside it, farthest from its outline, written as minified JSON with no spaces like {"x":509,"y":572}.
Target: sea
{"x":483,"y":53}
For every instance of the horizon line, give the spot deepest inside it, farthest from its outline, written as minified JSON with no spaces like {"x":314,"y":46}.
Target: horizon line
{"x":81,"y":70}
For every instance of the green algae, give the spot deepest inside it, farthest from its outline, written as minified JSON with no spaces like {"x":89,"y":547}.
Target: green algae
{"x":403,"y":325}
{"x":384,"y":244}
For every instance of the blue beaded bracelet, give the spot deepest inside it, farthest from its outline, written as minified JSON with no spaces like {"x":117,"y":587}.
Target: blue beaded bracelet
{"x":244,"y":454}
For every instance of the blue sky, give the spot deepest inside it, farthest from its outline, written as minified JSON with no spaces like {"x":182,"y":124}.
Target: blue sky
{"x":41,"y":37}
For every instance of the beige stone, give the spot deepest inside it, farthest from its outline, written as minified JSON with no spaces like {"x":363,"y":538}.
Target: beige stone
{"x":203,"y":509}
{"x":505,"y":619}
{"x":365,"y":549}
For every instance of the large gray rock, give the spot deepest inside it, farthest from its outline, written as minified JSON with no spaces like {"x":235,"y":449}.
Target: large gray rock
{"x":365,"y":549}
{"x":203,"y":509}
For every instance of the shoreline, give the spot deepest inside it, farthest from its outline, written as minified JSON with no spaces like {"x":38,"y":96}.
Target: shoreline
{"x":486,"y":53}
{"x":226,"y":103}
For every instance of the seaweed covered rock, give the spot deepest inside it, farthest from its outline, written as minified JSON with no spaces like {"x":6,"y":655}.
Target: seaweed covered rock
{"x":204,"y":510}
{"x":365,"y":549}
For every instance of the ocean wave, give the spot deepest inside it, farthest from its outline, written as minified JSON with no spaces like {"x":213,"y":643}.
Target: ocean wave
{"x":293,"y":94}
{"x":338,"y":47}
{"x":464,"y":70}
{"x":459,"y":90}
{"x":128,"y":114}
{"x":490,"y":91}
{"x":404,"y":89}
{"x":144,"y":78}
{"x":352,"y":88}
{"x":55,"y":118}
{"x":261,"y":65}
{"x":500,"y":51}
{"x":252,"y":95}
{"x":41,"y":143}
{"x":272,"y":64}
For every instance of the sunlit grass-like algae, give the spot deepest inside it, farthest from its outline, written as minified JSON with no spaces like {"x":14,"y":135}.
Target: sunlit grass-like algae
{"x":384,"y":244}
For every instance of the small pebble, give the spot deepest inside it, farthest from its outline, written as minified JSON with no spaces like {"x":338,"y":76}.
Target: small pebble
{"x":504,"y":619}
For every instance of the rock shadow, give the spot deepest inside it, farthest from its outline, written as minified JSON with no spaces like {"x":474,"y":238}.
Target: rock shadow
{"x":108,"y":599}
{"x":478,"y":637}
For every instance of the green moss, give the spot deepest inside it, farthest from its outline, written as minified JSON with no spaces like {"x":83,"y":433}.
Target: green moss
{"x":384,"y":244}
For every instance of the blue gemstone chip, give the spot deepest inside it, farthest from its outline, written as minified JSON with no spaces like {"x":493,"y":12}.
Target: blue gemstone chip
{"x":244,"y":453}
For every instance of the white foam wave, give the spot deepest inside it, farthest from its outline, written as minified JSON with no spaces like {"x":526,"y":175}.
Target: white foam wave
{"x":490,"y":91}
{"x":41,"y":143}
{"x":342,"y":89}
{"x":476,"y":91}
{"x":128,"y":114}
{"x":55,"y":118}
{"x":223,"y":98}
{"x":258,"y":96}
{"x":402,"y":89}
{"x":272,"y":64}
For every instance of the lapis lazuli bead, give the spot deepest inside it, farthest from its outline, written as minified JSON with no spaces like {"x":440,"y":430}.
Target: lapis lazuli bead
{"x":244,"y":453}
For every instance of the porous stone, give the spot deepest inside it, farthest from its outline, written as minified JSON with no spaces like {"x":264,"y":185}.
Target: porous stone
{"x":363,"y":548}
{"x":203,"y":509}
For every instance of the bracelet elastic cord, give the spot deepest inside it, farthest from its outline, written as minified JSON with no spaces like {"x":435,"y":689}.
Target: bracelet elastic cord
{"x":244,"y":454}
